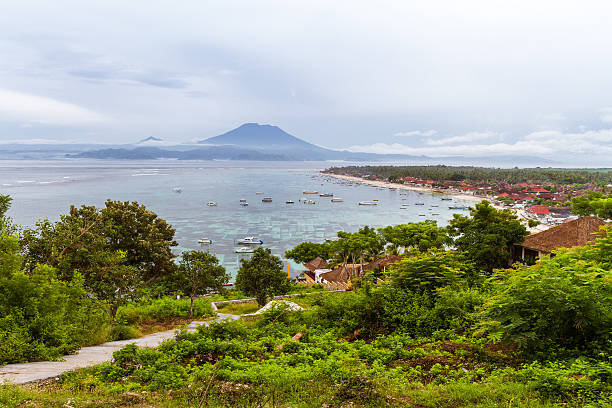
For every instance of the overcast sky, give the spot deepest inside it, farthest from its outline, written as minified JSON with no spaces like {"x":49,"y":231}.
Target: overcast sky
{"x":421,"y":77}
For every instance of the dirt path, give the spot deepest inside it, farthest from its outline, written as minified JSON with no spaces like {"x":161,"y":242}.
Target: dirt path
{"x":88,"y":356}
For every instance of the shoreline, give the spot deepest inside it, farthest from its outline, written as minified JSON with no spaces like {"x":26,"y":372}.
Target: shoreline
{"x":521,"y":215}
{"x":408,"y":187}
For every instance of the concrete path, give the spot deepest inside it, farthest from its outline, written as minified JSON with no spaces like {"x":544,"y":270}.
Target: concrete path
{"x":89,"y":356}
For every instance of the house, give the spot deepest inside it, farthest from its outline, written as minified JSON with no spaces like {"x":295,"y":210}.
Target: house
{"x":383,"y":263}
{"x":573,"y":233}
{"x":317,"y":263}
{"x":539,"y":209}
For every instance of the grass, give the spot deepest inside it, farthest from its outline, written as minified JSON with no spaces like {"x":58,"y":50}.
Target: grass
{"x":238,"y":308}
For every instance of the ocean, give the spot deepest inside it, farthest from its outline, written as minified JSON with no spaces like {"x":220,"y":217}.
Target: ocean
{"x":46,"y":189}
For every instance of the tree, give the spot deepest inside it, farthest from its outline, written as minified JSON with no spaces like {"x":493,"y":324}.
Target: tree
{"x":200,"y":272}
{"x":560,"y":302}
{"x":307,"y":251}
{"x":594,"y":203}
{"x":487,"y":235}
{"x":428,"y":272}
{"x":420,"y":235}
{"x":5,"y":204}
{"x":115,"y":249}
{"x":262,"y":276}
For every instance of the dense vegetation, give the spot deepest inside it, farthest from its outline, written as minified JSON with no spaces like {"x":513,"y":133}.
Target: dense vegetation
{"x":435,"y":332}
{"x":482,"y":174}
{"x":439,"y":328}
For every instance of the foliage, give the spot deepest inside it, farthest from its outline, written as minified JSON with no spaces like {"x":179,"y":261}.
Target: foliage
{"x":420,"y":235}
{"x":594,"y":203}
{"x":307,"y":251}
{"x":556,"y":304}
{"x":487,"y":235}
{"x":150,"y":310}
{"x":531,"y":223}
{"x":115,"y":249}
{"x":363,"y":245}
{"x":199,"y":272}
{"x":262,"y":276}
{"x":482,"y":174}
{"x":42,"y":317}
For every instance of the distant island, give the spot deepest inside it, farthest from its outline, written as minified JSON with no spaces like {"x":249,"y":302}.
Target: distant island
{"x":250,"y":141}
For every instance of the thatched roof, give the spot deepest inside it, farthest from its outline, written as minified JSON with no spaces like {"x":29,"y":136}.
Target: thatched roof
{"x":340,"y":274}
{"x":383,"y":262}
{"x":573,"y":233}
{"x":317,"y":263}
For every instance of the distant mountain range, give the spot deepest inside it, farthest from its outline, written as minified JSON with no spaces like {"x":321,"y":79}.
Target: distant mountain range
{"x":250,"y":141}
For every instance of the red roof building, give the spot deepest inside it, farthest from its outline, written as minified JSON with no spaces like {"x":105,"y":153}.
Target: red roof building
{"x":539,"y":209}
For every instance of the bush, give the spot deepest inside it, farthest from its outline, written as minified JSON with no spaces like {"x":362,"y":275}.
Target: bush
{"x":166,"y":307}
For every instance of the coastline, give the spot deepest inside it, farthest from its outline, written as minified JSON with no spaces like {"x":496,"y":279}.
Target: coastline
{"x":375,"y":183}
{"x":468,"y":197}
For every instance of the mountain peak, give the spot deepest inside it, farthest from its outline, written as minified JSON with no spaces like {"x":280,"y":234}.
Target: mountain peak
{"x":258,"y":136}
{"x":150,"y":139}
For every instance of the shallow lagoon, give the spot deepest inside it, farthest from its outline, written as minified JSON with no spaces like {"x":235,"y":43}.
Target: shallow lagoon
{"x":47,"y":189}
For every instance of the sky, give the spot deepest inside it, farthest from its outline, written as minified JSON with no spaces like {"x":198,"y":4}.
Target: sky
{"x":440,"y":78}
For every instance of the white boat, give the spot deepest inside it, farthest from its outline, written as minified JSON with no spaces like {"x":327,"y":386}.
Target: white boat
{"x":259,"y":192}
{"x":205,"y":241}
{"x":311,"y":202}
{"x":244,"y":204}
{"x":303,"y":200}
{"x":249,"y":241}
{"x":177,"y":190}
{"x":211,"y":204}
{"x":368,"y":203}
{"x":289,"y":202}
{"x":337,"y":200}
{"x":245,"y":250}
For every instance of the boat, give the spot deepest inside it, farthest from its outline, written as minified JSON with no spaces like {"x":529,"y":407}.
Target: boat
{"x":249,"y":241}
{"x":244,"y":250}
{"x":326,"y":195}
{"x":447,"y":199}
{"x":435,"y":214}
{"x":205,"y":241}
{"x":289,"y":202}
{"x":177,"y":190}
{"x":303,"y":200}
{"x":421,"y":215}
{"x":242,"y":200}
{"x":368,"y":203}
{"x":435,"y":205}
{"x":337,"y":200}
{"x":244,"y":204}
{"x":310,"y":192}
{"x":211,"y":204}
{"x":457,"y":207}
{"x":419,"y":203}
{"x":311,"y":202}
{"x":266,"y":200}
{"x":259,"y":192}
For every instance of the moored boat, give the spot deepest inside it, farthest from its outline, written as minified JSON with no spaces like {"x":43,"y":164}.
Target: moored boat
{"x":289,"y":202}
{"x":244,"y":250}
{"x":337,"y":200}
{"x":211,"y":204}
{"x":266,"y":200}
{"x":310,"y":192}
{"x":205,"y":241}
{"x":249,"y":241}
{"x":326,"y":195}
{"x":368,"y":203}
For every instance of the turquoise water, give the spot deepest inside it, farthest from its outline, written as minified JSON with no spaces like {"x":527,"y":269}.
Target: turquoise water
{"x":47,"y":189}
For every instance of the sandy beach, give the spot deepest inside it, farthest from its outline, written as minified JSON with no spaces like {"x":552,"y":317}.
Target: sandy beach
{"x":522,"y":215}
{"x":406,"y":187}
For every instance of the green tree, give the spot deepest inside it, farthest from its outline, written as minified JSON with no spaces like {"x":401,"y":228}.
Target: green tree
{"x":262,"y":276}
{"x":307,"y":251}
{"x":560,"y":302}
{"x":420,"y":235}
{"x":593,"y":203}
{"x":199,"y":272}
{"x":487,"y":236}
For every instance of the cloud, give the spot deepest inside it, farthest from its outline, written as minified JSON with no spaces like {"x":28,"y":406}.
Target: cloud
{"x":606,"y":115}
{"x":23,"y":107}
{"x":412,"y":133}
{"x":551,"y":144}
{"x":467,"y":138}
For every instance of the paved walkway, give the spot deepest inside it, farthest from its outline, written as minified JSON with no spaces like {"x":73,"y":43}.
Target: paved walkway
{"x":88,"y":356}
